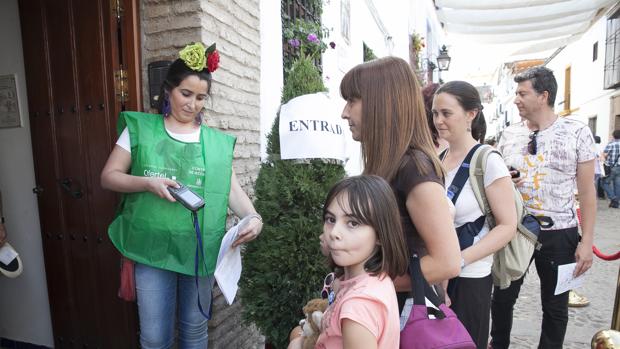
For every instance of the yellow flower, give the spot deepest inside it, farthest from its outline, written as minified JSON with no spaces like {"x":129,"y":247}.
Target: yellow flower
{"x":194,"y":56}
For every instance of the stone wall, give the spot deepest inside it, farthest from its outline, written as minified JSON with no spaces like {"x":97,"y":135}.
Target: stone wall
{"x":167,"y":26}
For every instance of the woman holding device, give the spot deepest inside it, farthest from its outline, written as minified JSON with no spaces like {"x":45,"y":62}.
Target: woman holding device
{"x":175,"y":153}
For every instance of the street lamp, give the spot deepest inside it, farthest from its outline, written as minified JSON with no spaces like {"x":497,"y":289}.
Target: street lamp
{"x":443,"y":60}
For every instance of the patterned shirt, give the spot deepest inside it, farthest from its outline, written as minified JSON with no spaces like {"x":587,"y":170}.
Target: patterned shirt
{"x":613,"y":152}
{"x":549,"y":184}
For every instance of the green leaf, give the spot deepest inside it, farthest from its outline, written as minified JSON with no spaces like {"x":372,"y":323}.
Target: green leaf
{"x":210,"y":49}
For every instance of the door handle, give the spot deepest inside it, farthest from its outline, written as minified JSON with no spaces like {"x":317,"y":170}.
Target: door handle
{"x":37,"y":190}
{"x":67,"y":185}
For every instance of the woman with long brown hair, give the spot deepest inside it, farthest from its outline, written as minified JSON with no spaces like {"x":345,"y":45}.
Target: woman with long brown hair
{"x":385,"y":112}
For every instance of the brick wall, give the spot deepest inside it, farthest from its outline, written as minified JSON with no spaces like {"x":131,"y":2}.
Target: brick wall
{"x":166,"y":26}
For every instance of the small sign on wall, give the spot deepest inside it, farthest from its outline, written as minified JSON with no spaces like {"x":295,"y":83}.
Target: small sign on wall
{"x":9,"y":102}
{"x":311,"y":127}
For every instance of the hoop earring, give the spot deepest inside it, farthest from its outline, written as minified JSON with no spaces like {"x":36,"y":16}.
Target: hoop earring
{"x":200,"y":117}
{"x":166,"y":109}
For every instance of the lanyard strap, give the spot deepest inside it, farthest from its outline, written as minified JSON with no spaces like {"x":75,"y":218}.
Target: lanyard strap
{"x":462,"y":175}
{"x":196,"y":261}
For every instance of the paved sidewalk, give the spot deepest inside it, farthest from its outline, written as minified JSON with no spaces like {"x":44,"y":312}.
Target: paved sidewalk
{"x":599,"y":287}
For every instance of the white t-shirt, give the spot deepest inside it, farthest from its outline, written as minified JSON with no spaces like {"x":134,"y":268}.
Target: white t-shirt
{"x":194,"y":137}
{"x":598,"y":164}
{"x":550,"y":175}
{"x":468,"y":210}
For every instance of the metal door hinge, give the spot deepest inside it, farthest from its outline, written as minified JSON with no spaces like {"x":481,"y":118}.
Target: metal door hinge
{"x":121,"y":85}
{"x":117,"y":9}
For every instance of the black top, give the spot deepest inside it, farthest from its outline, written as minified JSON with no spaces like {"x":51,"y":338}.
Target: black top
{"x":408,"y":176}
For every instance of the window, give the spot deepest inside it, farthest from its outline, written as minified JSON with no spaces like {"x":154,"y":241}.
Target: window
{"x":290,"y":11}
{"x":612,"y":51}
{"x":595,"y":51}
{"x":369,"y":55}
{"x":567,"y":90}
{"x":592,"y":124}
{"x":345,"y":20}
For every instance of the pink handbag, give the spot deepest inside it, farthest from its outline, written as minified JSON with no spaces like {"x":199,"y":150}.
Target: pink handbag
{"x":444,"y":331}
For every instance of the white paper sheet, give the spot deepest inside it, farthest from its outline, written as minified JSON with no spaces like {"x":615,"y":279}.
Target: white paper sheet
{"x":228,"y":267}
{"x":566,"y":281}
{"x":7,"y":254}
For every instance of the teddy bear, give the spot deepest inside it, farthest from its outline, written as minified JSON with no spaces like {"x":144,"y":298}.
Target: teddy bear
{"x":311,"y":325}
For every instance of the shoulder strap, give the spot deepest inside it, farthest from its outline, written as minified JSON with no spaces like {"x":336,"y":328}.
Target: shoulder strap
{"x":443,"y":154}
{"x":421,"y":289}
{"x":462,"y":175}
{"x":476,"y":172}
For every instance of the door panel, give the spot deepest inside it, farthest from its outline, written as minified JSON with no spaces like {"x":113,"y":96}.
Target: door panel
{"x":43,"y":142}
{"x":70,"y":54}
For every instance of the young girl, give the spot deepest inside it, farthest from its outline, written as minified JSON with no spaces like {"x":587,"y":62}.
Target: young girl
{"x":366,"y":246}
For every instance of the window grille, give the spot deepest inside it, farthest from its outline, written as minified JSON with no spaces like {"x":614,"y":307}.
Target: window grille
{"x":309,"y":10}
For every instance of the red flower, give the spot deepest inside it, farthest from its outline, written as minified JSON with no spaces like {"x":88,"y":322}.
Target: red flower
{"x":213,"y":61}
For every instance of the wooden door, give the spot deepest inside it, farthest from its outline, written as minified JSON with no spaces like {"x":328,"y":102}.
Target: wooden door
{"x":72,"y":50}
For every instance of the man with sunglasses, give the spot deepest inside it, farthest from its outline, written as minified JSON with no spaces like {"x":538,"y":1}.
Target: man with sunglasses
{"x":551,"y":156}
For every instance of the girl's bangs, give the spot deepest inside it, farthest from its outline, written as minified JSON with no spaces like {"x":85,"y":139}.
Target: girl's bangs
{"x":358,"y":201}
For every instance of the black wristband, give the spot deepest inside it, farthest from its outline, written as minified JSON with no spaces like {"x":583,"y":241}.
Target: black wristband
{"x":2,"y":219}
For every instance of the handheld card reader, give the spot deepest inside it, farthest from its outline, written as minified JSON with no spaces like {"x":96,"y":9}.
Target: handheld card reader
{"x":187,"y":197}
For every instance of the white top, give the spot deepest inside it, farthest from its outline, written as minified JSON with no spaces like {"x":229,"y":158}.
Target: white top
{"x":468,"y":210}
{"x":194,"y":137}
{"x":550,"y":175}
{"x":598,"y":164}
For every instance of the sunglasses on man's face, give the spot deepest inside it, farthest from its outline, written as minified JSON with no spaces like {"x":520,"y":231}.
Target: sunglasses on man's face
{"x":327,"y":286}
{"x":532,"y":146}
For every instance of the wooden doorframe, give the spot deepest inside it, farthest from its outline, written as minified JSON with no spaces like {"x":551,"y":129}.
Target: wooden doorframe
{"x":131,"y":48}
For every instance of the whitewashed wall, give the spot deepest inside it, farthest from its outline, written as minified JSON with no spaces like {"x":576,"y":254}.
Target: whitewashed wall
{"x":386,"y":32}
{"x":587,"y":92}
{"x":271,"y":68}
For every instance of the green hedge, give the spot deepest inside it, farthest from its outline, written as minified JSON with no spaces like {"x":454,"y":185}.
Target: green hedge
{"x":284,"y":268}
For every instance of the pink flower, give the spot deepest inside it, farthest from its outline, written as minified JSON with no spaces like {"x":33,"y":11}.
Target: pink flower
{"x":312,"y":38}
{"x":294,"y":43}
{"x":213,"y":61}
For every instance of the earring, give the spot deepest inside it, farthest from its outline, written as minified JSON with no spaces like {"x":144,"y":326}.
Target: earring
{"x":166,"y":109}
{"x":200,"y":116}
{"x":468,"y":128}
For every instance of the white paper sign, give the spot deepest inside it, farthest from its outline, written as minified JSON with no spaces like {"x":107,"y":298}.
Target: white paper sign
{"x":228,"y":266}
{"x":311,"y":127}
{"x":566,"y":281}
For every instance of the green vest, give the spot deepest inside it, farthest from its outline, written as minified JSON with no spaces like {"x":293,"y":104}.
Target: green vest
{"x":153,"y":231}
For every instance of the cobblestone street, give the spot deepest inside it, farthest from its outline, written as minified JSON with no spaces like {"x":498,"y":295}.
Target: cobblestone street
{"x":599,"y":288}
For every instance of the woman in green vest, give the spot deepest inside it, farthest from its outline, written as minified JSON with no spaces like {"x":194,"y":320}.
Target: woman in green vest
{"x":155,"y":152}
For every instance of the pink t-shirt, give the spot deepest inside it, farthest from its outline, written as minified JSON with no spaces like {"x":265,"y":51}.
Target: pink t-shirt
{"x":369,"y":301}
